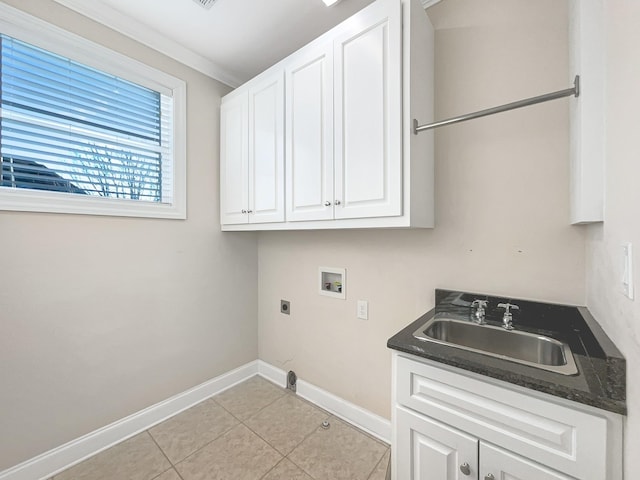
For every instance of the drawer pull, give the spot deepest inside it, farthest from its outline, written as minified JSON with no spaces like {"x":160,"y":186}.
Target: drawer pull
{"x":465,"y":469}
{"x":489,"y":477}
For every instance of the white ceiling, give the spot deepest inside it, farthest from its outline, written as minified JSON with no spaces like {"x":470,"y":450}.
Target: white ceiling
{"x":232,"y":41}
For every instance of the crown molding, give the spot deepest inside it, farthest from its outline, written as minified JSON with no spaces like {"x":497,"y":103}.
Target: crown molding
{"x":429,"y":3}
{"x":119,"y":22}
{"x":115,"y":20}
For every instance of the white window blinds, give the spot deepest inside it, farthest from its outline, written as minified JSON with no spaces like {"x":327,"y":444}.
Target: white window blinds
{"x":69,"y":128}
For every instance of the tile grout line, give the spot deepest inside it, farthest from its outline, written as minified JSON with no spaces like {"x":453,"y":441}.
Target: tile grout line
{"x":254,"y":414}
{"x":240,"y":422}
{"x":273,"y":468}
{"x":330,"y":415}
{"x":173,"y":467}
{"x":283,"y":393}
{"x":273,"y":446}
{"x":286,"y":457}
{"x":301,"y":442}
{"x":205,"y":445}
{"x":378,"y":463}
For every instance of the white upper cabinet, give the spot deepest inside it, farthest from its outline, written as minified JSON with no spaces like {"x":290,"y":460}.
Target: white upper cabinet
{"x":252,"y":153}
{"x":587,"y":113}
{"x":351,"y":159}
{"x":368,"y":113}
{"x":234,"y":159}
{"x":266,"y":150}
{"x":309,"y":134}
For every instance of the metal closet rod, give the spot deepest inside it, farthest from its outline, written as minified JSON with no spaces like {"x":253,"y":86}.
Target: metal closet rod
{"x":575,"y":91}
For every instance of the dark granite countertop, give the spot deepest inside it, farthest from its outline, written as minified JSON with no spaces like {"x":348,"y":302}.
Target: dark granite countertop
{"x":601,"y":377}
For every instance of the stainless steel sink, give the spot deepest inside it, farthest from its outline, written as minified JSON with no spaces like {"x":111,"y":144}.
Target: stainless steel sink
{"x":513,"y":345}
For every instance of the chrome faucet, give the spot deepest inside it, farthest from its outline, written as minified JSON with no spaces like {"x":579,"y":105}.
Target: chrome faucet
{"x":480,"y":311}
{"x":507,"y":319}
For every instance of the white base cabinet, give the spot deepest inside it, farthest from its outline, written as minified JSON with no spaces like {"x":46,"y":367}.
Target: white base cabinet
{"x":350,"y":157}
{"x":452,"y":424}
{"x":430,"y":450}
{"x":498,"y":464}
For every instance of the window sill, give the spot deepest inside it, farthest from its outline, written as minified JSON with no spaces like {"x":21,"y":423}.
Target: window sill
{"x":54,"y":202}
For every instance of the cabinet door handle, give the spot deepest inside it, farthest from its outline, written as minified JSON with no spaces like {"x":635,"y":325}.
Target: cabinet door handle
{"x":249,"y":211}
{"x":465,"y":469}
{"x":489,"y":476}
{"x":244,"y":211}
{"x":327,"y":203}
{"x":337,"y":202}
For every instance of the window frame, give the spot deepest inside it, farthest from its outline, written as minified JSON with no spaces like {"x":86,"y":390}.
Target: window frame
{"x":27,"y":28}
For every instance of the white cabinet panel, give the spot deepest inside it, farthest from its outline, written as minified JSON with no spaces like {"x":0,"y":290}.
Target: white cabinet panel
{"x":543,"y":437}
{"x":587,"y":113}
{"x":350,"y":159}
{"x":234,"y":158}
{"x":309,"y":134}
{"x":562,"y":437}
{"x":499,"y":464}
{"x":430,"y":450}
{"x":266,"y":150}
{"x":252,"y":153}
{"x":368,"y":114}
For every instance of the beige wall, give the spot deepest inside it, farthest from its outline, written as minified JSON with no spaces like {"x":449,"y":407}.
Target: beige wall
{"x":501,"y":210}
{"x":101,"y":317}
{"x":619,"y":315}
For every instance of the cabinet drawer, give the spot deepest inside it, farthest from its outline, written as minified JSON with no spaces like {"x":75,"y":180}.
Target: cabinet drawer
{"x":565,"y":439}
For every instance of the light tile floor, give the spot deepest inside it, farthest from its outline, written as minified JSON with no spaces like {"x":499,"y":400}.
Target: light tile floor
{"x":253,"y":431}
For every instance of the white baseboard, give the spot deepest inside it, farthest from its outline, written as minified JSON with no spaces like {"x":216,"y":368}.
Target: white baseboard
{"x":364,"y":419}
{"x":54,"y":461}
{"x":273,"y":374}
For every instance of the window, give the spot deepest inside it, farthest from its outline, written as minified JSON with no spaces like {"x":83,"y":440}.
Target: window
{"x":86,"y":130}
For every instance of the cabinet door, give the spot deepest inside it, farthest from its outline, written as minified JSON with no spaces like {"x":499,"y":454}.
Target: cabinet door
{"x":430,"y":450}
{"x":309,"y":134}
{"x":234,"y":170}
{"x":266,"y":150}
{"x":499,"y":464}
{"x":368,"y":113}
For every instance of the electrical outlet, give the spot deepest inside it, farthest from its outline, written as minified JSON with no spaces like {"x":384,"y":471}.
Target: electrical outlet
{"x":285,"y":307}
{"x":363,"y":309}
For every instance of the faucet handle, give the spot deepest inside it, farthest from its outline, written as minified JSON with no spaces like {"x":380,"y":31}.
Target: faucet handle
{"x":508,"y":307}
{"x":479,"y":313}
{"x":507,"y":322}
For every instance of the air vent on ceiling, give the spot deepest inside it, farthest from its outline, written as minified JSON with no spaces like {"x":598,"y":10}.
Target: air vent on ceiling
{"x":205,"y":3}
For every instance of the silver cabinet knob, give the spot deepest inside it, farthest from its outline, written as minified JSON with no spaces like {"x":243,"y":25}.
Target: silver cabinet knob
{"x":465,"y":468}
{"x":327,"y":203}
{"x":337,"y":202}
{"x":244,"y":211}
{"x":489,"y":477}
